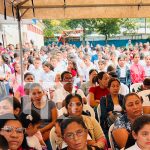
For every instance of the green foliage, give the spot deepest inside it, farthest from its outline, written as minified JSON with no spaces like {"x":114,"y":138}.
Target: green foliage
{"x":129,"y":25}
{"x":54,"y":26}
{"x":86,"y":24}
{"x":108,"y":27}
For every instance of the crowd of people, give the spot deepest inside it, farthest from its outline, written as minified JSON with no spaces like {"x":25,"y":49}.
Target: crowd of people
{"x":71,"y":97}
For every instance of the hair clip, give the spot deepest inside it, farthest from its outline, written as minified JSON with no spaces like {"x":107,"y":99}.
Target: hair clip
{"x":29,"y":117}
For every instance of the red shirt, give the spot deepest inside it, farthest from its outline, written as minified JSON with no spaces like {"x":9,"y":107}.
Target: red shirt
{"x":98,"y":92}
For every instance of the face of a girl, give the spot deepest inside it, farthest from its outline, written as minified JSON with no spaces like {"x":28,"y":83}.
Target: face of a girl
{"x":1,"y":61}
{"x":75,"y":107}
{"x":101,"y":66}
{"x":58,"y":78}
{"x":92,"y":75}
{"x":5,"y":107}
{"x":75,"y":136}
{"x":121,"y":62}
{"x":32,"y":129}
{"x":105,"y":80}
{"x":136,"y":58}
{"x":143,"y":137}
{"x":147,"y":60}
{"x":70,"y":64}
{"x":17,"y":68}
{"x":14,"y":133}
{"x":29,"y":78}
{"x":114,"y":87}
{"x":45,"y":68}
{"x":36,"y":94}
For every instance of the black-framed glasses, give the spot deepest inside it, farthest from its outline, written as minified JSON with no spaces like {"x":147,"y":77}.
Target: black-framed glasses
{"x":10,"y":129}
{"x":78,"y":133}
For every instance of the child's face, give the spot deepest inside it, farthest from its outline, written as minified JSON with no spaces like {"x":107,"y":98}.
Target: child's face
{"x":121,"y":62}
{"x":101,"y":66}
{"x":147,"y":60}
{"x":32,"y":129}
{"x":37,"y":63}
{"x":143,"y":137}
{"x":45,"y":68}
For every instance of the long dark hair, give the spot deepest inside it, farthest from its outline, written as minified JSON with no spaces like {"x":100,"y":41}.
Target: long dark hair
{"x":5,"y":118}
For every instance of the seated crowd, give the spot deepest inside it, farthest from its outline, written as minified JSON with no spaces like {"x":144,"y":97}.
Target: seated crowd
{"x":75,"y":99}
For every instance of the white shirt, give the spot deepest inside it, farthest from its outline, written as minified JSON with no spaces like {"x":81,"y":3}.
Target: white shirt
{"x":34,"y":142}
{"x":86,"y":71}
{"x":60,"y":94}
{"x":37,"y":74}
{"x":134,"y":147}
{"x":47,"y":79}
{"x":147,"y":71}
{"x":4,"y":69}
{"x":123,"y":72}
{"x":123,"y":89}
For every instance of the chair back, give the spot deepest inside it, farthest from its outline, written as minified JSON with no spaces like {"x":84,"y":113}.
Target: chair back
{"x":99,"y":112}
{"x":134,"y":87}
{"x":145,"y":94}
{"x":110,"y":137}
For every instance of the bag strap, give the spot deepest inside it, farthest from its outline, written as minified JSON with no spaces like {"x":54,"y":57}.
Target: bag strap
{"x":4,"y":68}
{"x":106,"y":101}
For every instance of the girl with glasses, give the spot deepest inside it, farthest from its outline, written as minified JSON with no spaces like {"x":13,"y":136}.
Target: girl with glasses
{"x":75,"y":133}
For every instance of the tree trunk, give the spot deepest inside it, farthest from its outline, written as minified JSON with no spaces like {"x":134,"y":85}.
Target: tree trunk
{"x":106,"y":38}
{"x":83,"y":39}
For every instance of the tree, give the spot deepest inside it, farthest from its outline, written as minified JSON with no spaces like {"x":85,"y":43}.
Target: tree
{"x":86,"y":24}
{"x":108,"y":27}
{"x":54,"y":27}
{"x":129,"y":25}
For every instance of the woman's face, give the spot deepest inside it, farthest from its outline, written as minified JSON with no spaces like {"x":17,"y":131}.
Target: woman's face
{"x":32,"y":129}
{"x":17,"y":68}
{"x":5,"y":107}
{"x":14,"y":133}
{"x":46,"y":69}
{"x":58,"y":78}
{"x":121,"y":62}
{"x":136,"y":59}
{"x":29,"y":78}
{"x":133,"y":106}
{"x":70,"y":64}
{"x":143,"y":137}
{"x":114,"y":87}
{"x":75,"y":107}
{"x":105,"y":80}
{"x":92,"y":75}
{"x":36,"y":94}
{"x":1,"y":60}
{"x":75,"y":136}
{"x":101,"y":66}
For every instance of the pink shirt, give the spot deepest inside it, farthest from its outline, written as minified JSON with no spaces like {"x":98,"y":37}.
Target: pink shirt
{"x":137,"y":73}
{"x":20,"y":89}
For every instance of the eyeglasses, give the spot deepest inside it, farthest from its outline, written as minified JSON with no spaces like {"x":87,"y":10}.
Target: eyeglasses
{"x":78,"y":133}
{"x":10,"y":129}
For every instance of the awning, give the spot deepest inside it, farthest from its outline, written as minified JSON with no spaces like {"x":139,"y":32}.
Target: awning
{"x":76,"y":9}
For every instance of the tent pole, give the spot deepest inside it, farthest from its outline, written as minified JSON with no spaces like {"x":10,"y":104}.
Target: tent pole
{"x":20,"y":44}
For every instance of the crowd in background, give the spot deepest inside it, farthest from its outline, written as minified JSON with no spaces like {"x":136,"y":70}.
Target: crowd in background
{"x":71,"y":97}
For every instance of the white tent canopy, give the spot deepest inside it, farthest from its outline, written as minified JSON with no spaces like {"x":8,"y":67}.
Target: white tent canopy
{"x":76,"y":9}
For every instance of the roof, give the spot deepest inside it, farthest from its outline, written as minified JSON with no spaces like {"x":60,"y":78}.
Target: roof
{"x":77,"y":9}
